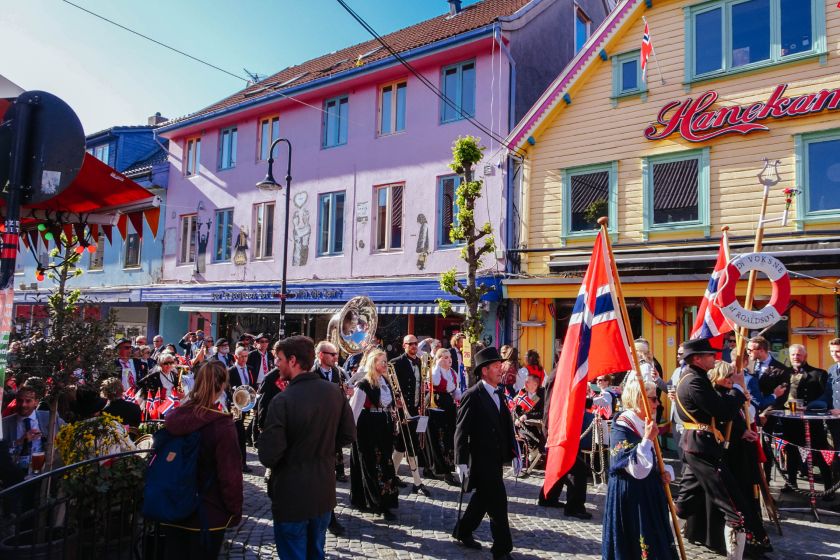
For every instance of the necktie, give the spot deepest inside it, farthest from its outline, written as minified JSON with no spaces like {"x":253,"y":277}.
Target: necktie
{"x":265,"y":363}
{"x":500,"y":392}
{"x":243,"y":377}
{"x":130,"y":374}
{"x":26,"y":447}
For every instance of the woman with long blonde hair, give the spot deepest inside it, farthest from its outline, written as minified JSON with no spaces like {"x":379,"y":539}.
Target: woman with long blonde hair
{"x":372,"y":476}
{"x":219,"y":467}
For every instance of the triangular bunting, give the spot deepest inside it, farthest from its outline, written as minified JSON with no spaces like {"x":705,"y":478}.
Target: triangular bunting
{"x":108,"y":230}
{"x":68,"y":231}
{"x":122,"y":225}
{"x":137,"y":221}
{"x":80,"y":232}
{"x":828,"y":456}
{"x":44,"y":238}
{"x":25,"y":239}
{"x":803,"y":452}
{"x":152,"y":216}
{"x":94,"y":233}
{"x":32,"y":234}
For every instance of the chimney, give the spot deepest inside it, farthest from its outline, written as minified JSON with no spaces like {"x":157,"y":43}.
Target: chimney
{"x":454,"y":7}
{"x":156,"y":119}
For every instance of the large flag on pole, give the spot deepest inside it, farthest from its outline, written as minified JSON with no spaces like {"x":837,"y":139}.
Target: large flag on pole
{"x":710,"y":322}
{"x":595,"y":345}
{"x":647,"y":50}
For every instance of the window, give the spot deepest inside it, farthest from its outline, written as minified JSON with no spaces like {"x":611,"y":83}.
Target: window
{"x":263,"y":230}
{"x":193,"y":155}
{"x":676,"y":190}
{"x":392,"y":108}
{"x":224,"y":235}
{"x":582,"y":24}
{"x":335,"y":121}
{"x":591,"y":193}
{"x":186,"y":248}
{"x":331,"y":223}
{"x":97,"y":258}
{"x":734,"y":35}
{"x":269,"y":132}
{"x":818,"y":176}
{"x":447,"y":209}
{"x":227,"y":148}
{"x":132,"y":250}
{"x":389,"y":200}
{"x":459,"y":89}
{"x":627,"y":74}
{"x":102,"y":153}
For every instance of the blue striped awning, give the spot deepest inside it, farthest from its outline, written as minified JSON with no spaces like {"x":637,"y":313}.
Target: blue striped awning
{"x":416,"y":308}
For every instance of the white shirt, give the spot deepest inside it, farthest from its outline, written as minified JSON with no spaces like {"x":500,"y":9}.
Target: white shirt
{"x":493,"y":394}
{"x":244,"y":377}
{"x":357,"y":401}
{"x":128,"y":367}
{"x":265,"y":366}
{"x":644,"y":462}
{"x":21,"y":431}
{"x":451,"y":379}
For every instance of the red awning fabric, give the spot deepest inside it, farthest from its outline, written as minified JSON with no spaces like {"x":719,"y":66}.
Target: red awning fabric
{"x":96,"y":186}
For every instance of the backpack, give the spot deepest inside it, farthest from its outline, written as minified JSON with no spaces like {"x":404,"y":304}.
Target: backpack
{"x":171,"y":492}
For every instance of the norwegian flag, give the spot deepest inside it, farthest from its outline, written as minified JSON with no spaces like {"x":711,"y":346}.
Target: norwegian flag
{"x":523,"y":401}
{"x":710,"y":322}
{"x":130,"y":395}
{"x":595,"y":345}
{"x":647,"y":50}
{"x":152,"y":407}
{"x":167,"y":402}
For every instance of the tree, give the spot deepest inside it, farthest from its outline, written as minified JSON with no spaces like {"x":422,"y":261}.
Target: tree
{"x":72,"y":350}
{"x":477,"y":242}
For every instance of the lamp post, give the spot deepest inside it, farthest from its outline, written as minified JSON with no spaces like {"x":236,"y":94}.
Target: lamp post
{"x":269,"y":185}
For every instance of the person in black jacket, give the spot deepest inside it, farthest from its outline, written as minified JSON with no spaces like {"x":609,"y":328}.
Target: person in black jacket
{"x":238,"y":375}
{"x":127,"y":411}
{"x":484,"y":441}
{"x":132,"y":372}
{"x":706,"y":478}
{"x":407,"y":368}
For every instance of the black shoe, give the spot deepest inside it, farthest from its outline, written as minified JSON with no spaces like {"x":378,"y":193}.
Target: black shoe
{"x":421,"y":489}
{"x":468,"y":541}
{"x":787,"y":489}
{"x":578,"y":514}
{"x":430,"y":475}
{"x":336,"y":528}
{"x":550,"y":503}
{"x":388,"y":515}
{"x":451,"y":480}
{"x":247,"y":469}
{"x":341,"y":477}
{"x":399,"y":482}
{"x":505,"y":556}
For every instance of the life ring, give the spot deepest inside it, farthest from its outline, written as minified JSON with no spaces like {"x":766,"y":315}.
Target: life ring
{"x":779,"y":299}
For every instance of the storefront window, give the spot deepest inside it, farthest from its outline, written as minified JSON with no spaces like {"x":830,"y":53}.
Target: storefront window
{"x":818,"y":176}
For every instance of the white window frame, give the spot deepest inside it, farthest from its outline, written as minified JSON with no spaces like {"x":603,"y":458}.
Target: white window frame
{"x":393,"y":109}
{"x":581,"y":16}
{"x":263,"y":246}
{"x":389,"y":219}
{"x":192,"y":155}
{"x":227,"y":141}
{"x":139,"y":263}
{"x":186,"y":238}
{"x":264,"y":142}
{"x":223,"y":221}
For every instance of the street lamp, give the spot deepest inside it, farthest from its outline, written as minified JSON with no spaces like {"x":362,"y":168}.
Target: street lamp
{"x":270,"y":185}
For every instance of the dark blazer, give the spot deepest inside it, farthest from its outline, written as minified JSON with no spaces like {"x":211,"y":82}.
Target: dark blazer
{"x":226,"y":359}
{"x":255,"y":362}
{"x":187,"y":346}
{"x":700,"y":399}
{"x":127,"y":412}
{"x":306,"y":424}
{"x":535,"y":413}
{"x":775,"y":374}
{"x":456,"y":365}
{"x":407,"y":379}
{"x":267,"y":391}
{"x":811,"y":385}
{"x":140,"y":368}
{"x":828,"y":394}
{"x":337,"y":374}
{"x":234,"y":379}
{"x":483,"y":436}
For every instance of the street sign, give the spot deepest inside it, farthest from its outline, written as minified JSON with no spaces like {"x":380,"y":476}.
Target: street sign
{"x":55,"y":146}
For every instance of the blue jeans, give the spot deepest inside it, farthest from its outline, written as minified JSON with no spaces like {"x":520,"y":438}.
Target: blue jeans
{"x":302,"y":540}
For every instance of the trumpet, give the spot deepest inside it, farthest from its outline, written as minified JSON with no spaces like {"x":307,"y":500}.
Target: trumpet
{"x":402,"y":419}
{"x":244,"y":398}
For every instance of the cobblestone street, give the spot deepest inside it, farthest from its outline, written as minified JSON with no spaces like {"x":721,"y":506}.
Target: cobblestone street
{"x":423,"y":527}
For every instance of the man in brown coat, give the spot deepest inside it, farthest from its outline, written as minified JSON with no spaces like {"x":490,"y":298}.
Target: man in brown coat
{"x":306,"y":424}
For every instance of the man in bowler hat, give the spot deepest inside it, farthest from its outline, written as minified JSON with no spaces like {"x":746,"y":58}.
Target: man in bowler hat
{"x":484,"y":441}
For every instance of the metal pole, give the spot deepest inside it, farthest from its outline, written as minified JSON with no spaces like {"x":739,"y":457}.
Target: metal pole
{"x":285,"y":241}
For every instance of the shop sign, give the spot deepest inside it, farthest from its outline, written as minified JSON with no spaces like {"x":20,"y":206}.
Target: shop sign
{"x":693,"y":120}
{"x":274,"y":294}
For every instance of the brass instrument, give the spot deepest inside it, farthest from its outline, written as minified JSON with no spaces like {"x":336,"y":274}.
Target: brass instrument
{"x":352,"y":328}
{"x":430,"y":368}
{"x":244,"y":398}
{"x":402,"y":419}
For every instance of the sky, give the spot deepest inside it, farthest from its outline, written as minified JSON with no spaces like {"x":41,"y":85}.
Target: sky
{"x":111,"y":77}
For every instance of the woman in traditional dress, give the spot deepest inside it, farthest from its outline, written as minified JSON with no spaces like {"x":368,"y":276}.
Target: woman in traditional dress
{"x":534,"y":366}
{"x":636,"y":521}
{"x":440,"y":435}
{"x":742,"y":457}
{"x":372,"y":477}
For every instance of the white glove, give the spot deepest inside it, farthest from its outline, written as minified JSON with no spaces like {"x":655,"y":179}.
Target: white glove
{"x":463,"y":472}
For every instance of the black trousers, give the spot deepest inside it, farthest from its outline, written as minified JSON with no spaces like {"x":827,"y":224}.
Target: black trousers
{"x":242,"y":437}
{"x":181,"y":544}
{"x":490,"y":498}
{"x":575,"y":483}
{"x":708,"y":477}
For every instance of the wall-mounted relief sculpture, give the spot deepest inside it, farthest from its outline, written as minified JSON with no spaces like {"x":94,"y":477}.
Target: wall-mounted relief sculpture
{"x":422,"y":242}
{"x":301,"y":230}
{"x":240,"y":248}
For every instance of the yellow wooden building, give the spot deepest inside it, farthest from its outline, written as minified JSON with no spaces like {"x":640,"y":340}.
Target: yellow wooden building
{"x":672,"y":159}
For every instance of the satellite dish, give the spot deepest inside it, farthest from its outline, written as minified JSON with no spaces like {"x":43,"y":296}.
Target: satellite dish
{"x":55,"y":146}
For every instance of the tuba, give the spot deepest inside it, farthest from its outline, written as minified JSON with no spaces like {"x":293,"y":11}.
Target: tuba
{"x":244,"y":398}
{"x":352,"y":328}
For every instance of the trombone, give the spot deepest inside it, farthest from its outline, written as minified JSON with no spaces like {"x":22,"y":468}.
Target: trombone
{"x":402,"y":419}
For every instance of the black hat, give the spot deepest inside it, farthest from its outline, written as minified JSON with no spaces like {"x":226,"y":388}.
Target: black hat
{"x":245,"y":336}
{"x":698,"y":346}
{"x":263,"y":335}
{"x":88,"y":402}
{"x":486,"y":357}
{"x":122,"y":341}
{"x":222,"y":342}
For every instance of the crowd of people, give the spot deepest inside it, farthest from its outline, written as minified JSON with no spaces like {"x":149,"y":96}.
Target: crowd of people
{"x":420,"y":408}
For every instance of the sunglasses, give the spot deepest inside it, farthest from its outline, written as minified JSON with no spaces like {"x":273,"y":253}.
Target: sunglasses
{"x":330,"y":353}
{"x":411,"y":343}
{"x":654,"y":399}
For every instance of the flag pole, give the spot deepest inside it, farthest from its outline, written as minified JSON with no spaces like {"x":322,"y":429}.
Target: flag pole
{"x":653,"y":52}
{"x":646,"y":405}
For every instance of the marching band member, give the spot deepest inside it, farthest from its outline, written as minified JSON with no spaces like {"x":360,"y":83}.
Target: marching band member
{"x":440,"y":435}
{"x":372,"y":476}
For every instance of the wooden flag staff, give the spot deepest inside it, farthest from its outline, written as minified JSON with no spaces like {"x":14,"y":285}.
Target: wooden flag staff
{"x":637,"y":368}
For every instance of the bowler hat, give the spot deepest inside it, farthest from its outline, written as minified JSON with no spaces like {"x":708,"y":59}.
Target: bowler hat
{"x":245,"y":336}
{"x":88,"y":402}
{"x":263,"y":335}
{"x":221,"y":342}
{"x":698,"y":346}
{"x":122,"y":341}
{"x":486,"y":357}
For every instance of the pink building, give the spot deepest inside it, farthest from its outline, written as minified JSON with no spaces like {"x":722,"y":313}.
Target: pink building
{"x":372,"y":195}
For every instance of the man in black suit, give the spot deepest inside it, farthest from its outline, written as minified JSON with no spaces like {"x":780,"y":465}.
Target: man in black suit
{"x":767,"y":384}
{"x":484,"y":441}
{"x":407,"y":367}
{"x":223,"y":352}
{"x":132,"y":372}
{"x":706,"y":478}
{"x":239,"y":375}
{"x":260,"y":360}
